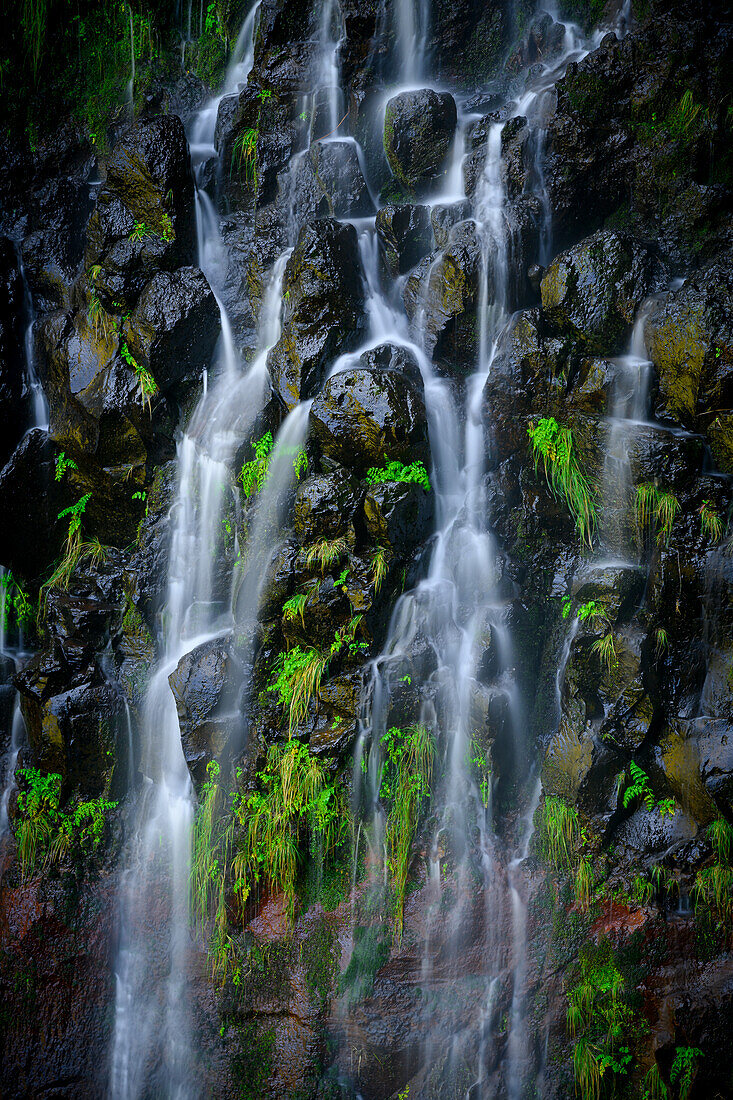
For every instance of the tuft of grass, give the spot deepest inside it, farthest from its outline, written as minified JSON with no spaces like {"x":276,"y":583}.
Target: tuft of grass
{"x":297,"y":678}
{"x":559,"y":830}
{"x":325,"y":553}
{"x":380,"y":563}
{"x":294,"y":608}
{"x":554,"y":447}
{"x":244,"y":155}
{"x":656,"y":510}
{"x":661,"y":642}
{"x":405,"y":785}
{"x":584,"y":881}
{"x":711,"y":524}
{"x":605,"y":647}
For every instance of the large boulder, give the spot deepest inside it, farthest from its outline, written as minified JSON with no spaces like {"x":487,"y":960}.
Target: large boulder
{"x":441,"y":296}
{"x":593,"y":290}
{"x":324,"y":506}
{"x":174,"y":327}
{"x":370,"y":414}
{"x":205,"y":691}
{"x":689,"y":336}
{"x":398,"y":515}
{"x":329,"y":181}
{"x":419,"y":128}
{"x":144,"y":220}
{"x":323,"y":309}
{"x":405,"y":236}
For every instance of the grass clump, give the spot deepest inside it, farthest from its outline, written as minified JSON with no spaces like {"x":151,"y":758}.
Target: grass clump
{"x":656,"y":511}
{"x":45,"y":832}
{"x":714,"y":884}
{"x":711,"y":524}
{"x":244,"y":154}
{"x":380,"y":564}
{"x":559,"y":832}
{"x":684,"y":1068}
{"x":326,"y":553}
{"x":554,"y":447}
{"x":415,"y":473}
{"x":598,"y":1018}
{"x":297,"y":678}
{"x":405,"y":785}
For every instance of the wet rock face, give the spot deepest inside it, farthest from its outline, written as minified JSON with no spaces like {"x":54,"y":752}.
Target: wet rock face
{"x":323,"y":312}
{"x":29,"y":476}
{"x":398,"y":515}
{"x":366,"y":416}
{"x":144,"y":219}
{"x":688,"y":336}
{"x":419,"y":128}
{"x":330,"y":182}
{"x":324,"y":506}
{"x":205,"y":688}
{"x":405,"y":235}
{"x":13,"y":407}
{"x":593,"y":290}
{"x":174,"y":327}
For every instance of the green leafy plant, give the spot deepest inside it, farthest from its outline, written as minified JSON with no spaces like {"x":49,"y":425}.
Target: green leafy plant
{"x":45,"y":832}
{"x":710,"y":522}
{"x":244,"y":154}
{"x":415,"y":473}
{"x":15,"y":603}
{"x":639,"y":787}
{"x":98,"y":319}
{"x":605,"y":647}
{"x":714,"y":884}
{"x":148,"y":385}
{"x":598,"y":1017}
{"x":254,"y":473}
{"x":63,"y":465}
{"x":380,"y":563}
{"x":655,"y":510}
{"x":661,"y":642}
{"x":405,"y":785}
{"x":555,"y":448}
{"x":684,"y":1068}
{"x":294,"y":608}
{"x":476,"y":759}
{"x":297,"y":678}
{"x":654,"y":1086}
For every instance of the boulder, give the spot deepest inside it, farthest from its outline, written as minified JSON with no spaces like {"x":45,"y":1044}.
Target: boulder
{"x":329,"y":181}
{"x":441,"y":296}
{"x":405,"y":236}
{"x":325,"y":506}
{"x":205,"y":688}
{"x":144,"y":219}
{"x":689,"y":336}
{"x":593,"y":290}
{"x":369,"y":415}
{"x":398,"y":515}
{"x":174,"y":327}
{"x":419,"y":128}
{"x":323,"y":309}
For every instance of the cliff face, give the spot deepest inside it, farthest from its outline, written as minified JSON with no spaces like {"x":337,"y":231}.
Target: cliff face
{"x":367,"y":650}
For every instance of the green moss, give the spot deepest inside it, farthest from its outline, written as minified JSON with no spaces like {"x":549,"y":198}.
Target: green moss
{"x":252,"y":1065}
{"x":370,"y":953}
{"x":320,"y":959}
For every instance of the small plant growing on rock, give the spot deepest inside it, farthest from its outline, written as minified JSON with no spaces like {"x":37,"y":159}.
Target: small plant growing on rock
{"x":325,"y":553}
{"x":414,"y":474}
{"x":379,"y":568}
{"x":661,"y":642}
{"x":148,"y":385}
{"x":294,"y":608}
{"x":605,"y":647}
{"x":253,"y":473}
{"x":559,"y":831}
{"x":405,"y":784}
{"x":710,"y":522}
{"x":297,"y":678}
{"x":63,"y":465}
{"x":684,"y":1068}
{"x":244,"y":154}
{"x":655,"y":509}
{"x":555,"y":448}
{"x":638,"y":788}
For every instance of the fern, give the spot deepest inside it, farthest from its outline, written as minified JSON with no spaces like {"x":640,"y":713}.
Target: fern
{"x":639,"y":787}
{"x":415,"y":473}
{"x":554,"y":447}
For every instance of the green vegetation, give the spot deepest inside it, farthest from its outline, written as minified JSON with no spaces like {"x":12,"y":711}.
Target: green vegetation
{"x":714,"y":884}
{"x":63,"y":465}
{"x":405,"y":785}
{"x":297,"y":678}
{"x":260,"y":839}
{"x":559,"y":832}
{"x":380,"y":563}
{"x":684,"y":1068}
{"x":605,"y":647}
{"x":47,"y":833}
{"x":141,"y":230}
{"x":15,"y":603}
{"x":148,"y":385}
{"x":244,"y":154}
{"x":656,"y":511}
{"x":415,"y":473}
{"x":711,"y":523}
{"x":481,"y":767}
{"x":294,"y":608}
{"x":325,"y":553}
{"x":555,"y":448}
{"x":598,"y":1018}
{"x":661,"y":642}
{"x":640,"y":787}
{"x":253,"y":474}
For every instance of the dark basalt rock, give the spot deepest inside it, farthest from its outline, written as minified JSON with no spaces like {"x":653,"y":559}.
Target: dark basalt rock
{"x":174,"y":327}
{"x":330,"y":182}
{"x":205,"y":687}
{"x":144,"y":220}
{"x":323,"y":311}
{"x":325,"y":506}
{"x":593,"y":291}
{"x":405,"y":235}
{"x":29,"y":477}
{"x":13,"y":402}
{"x":53,"y":250}
{"x":398,"y":515}
{"x":367,"y":416}
{"x":442,"y":295}
{"x":543,"y":39}
{"x":419,"y":128}
{"x":689,"y":336}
